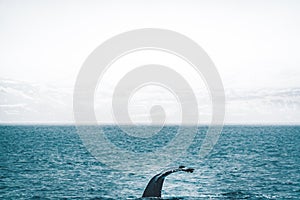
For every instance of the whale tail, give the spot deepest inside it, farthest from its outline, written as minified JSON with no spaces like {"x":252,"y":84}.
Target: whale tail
{"x":154,"y":186}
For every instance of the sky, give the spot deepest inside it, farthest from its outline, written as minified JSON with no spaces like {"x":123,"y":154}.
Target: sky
{"x":255,"y":46}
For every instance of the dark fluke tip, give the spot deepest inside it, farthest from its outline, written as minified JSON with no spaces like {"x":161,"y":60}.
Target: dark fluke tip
{"x":183,"y":168}
{"x":190,"y":170}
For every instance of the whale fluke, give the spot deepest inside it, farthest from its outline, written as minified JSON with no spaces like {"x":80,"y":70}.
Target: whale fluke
{"x":154,"y":186}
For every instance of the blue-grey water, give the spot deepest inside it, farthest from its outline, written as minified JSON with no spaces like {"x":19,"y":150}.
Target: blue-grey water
{"x":248,"y":162}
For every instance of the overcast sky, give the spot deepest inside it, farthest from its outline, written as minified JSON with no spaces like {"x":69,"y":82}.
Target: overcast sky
{"x":255,"y":46}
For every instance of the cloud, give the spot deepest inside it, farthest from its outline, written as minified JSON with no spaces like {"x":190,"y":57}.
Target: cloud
{"x":22,"y":102}
{"x":265,"y":105}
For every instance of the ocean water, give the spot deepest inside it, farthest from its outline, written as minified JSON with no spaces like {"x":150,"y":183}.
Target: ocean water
{"x":248,"y":162}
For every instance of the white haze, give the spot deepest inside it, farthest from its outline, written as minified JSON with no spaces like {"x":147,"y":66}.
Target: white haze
{"x":255,"y":46}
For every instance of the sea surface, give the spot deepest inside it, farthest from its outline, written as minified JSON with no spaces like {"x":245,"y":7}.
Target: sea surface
{"x":52,"y":162}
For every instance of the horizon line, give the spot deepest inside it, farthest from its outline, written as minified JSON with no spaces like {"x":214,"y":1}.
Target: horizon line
{"x":146,"y":124}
